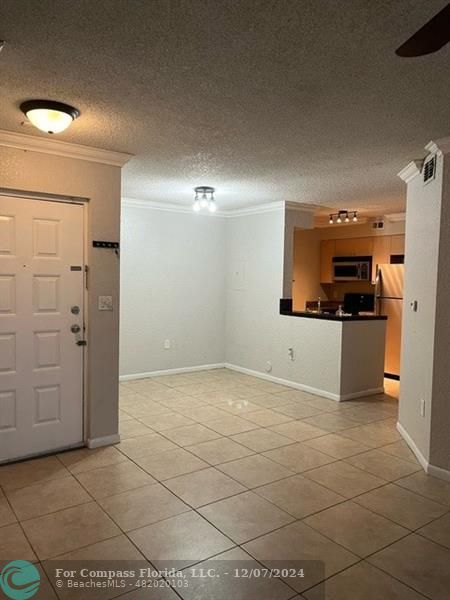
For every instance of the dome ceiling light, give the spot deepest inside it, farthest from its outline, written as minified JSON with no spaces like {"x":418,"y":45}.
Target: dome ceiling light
{"x":48,"y":115}
{"x":204,"y":198}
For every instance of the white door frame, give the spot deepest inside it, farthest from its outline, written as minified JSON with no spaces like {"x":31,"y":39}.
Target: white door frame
{"x":84,"y":202}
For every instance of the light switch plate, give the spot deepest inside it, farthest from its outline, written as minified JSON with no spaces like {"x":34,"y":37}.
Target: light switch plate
{"x":105,"y":303}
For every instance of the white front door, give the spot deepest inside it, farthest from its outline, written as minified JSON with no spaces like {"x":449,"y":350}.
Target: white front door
{"x":41,"y":298}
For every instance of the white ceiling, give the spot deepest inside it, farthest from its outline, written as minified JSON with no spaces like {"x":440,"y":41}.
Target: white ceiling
{"x":297,"y":100}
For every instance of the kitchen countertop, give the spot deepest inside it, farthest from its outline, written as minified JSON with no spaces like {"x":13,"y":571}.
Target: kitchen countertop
{"x":332,"y":317}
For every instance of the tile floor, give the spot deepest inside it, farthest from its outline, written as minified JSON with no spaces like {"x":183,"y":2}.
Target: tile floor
{"x":220,"y":465}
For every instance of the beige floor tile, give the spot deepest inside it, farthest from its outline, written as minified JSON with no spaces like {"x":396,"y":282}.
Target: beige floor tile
{"x":265,"y":417}
{"x":45,"y":591}
{"x":132,"y":428}
{"x":124,"y":416}
{"x":191,"y":434}
{"x":428,"y":486}
{"x":419,"y":563}
{"x":271,"y":401}
{"x":260,"y":440}
{"x":203,"y":487}
{"x":298,"y":496}
{"x":144,"y":444}
{"x":402,"y":506}
{"x":115,"y":479}
{"x":14,"y":545}
{"x":116,"y":554}
{"x":438,"y":531}
{"x":382,"y":465}
{"x":226,"y":587}
{"x":337,"y":446}
{"x":69,"y":529}
{"x":356,"y":528}
{"x":47,"y":497}
{"x":193,"y":389}
{"x":240,"y":407}
{"x":362,"y":582}
{"x":172,"y":380}
{"x":369,"y":414}
{"x":289,"y":396}
{"x":182,"y":402}
{"x":299,"y":431}
{"x":203,"y":414}
{"x":325,"y":404}
{"x":220,"y":450}
{"x":255,"y":470}
{"x":331,"y":422}
{"x":299,"y":410}
{"x":6,"y":514}
{"x":344,"y":479}
{"x":298,"y":457}
{"x":142,"y":506}
{"x":147,"y":409}
{"x":245,"y":516}
{"x":247,"y":392}
{"x":373,"y":435}
{"x":231,"y":425}
{"x":298,"y":542}
{"x":399,"y":449}
{"x":165,"y":465}
{"x":166,"y":421}
{"x":32,"y":471}
{"x":180,"y":541}
{"x":269,"y":387}
{"x":218,"y":397}
{"x":85,"y":459}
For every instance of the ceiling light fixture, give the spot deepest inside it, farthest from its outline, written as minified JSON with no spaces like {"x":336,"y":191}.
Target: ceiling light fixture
{"x":204,"y":198}
{"x":343,"y":215}
{"x":48,"y":115}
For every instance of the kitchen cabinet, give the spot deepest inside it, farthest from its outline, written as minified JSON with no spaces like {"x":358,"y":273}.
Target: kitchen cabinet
{"x":354,"y":247}
{"x":397,"y":244}
{"x":327,"y":251}
{"x":381,"y":252}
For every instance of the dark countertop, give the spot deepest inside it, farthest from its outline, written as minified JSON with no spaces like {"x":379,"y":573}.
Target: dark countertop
{"x":331,"y":317}
{"x":286,"y":310}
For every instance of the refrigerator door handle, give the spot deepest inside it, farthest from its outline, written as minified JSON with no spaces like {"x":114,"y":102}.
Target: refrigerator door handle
{"x":378,"y":291}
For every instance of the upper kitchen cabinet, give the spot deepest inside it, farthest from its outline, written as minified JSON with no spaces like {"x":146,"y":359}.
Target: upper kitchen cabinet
{"x":397,"y":244}
{"x":381,"y":252}
{"x":354,"y":247}
{"x":327,"y":251}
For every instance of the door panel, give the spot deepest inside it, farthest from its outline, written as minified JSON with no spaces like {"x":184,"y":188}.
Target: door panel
{"x":41,"y":366}
{"x":393,"y":310}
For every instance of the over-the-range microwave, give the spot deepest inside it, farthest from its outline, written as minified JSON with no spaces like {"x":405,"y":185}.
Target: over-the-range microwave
{"x":352,"y":268}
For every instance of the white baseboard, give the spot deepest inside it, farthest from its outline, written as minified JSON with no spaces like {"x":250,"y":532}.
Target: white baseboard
{"x":303,"y":387}
{"x":134,"y":376}
{"x":108,"y":440}
{"x":427,"y":467}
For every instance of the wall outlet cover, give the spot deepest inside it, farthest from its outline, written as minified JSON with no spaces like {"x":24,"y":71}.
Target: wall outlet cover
{"x":105,"y":303}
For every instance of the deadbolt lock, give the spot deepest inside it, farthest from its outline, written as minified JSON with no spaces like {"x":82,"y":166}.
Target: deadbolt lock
{"x":75,"y":310}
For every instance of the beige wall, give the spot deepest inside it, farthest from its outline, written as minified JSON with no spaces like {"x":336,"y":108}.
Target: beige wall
{"x":306,"y":269}
{"x":341,"y":231}
{"x":46,"y":173}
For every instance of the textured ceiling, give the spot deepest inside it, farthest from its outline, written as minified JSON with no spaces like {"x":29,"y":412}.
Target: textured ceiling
{"x":297,"y":100}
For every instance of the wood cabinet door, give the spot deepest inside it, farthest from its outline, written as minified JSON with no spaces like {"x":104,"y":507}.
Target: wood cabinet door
{"x":327,"y":251}
{"x":397,"y":244}
{"x":354,"y":246}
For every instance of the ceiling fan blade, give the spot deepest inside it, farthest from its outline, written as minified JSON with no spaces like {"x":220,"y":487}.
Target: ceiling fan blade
{"x":430,"y":38}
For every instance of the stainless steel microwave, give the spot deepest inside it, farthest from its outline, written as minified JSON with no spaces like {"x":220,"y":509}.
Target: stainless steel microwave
{"x":352,"y":268}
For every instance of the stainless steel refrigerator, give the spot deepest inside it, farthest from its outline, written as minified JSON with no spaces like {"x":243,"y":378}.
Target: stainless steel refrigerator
{"x":389,"y":302}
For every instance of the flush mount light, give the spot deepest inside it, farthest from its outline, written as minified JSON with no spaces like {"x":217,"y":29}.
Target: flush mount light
{"x":49,"y":116}
{"x":343,"y":215}
{"x":204,"y":198}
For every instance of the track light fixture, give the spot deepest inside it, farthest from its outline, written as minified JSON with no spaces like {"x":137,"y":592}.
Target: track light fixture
{"x":344,"y":216}
{"x":204,"y":198}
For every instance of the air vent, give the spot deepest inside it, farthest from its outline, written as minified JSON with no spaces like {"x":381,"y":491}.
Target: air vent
{"x":378,"y":224}
{"x":429,"y":169}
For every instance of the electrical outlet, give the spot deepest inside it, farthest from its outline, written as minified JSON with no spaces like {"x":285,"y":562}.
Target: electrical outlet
{"x":422,"y":407}
{"x":268,"y":366}
{"x":167,"y":345}
{"x":291,"y":353}
{"x":414,"y":305}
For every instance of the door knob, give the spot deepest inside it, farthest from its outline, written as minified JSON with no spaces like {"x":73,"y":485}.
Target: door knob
{"x":75,"y":329}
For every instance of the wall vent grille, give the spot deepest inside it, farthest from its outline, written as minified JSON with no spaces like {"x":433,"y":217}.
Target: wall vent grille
{"x":429,"y":169}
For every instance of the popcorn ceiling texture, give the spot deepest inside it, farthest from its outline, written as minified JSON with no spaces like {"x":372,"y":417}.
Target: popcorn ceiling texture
{"x":266,"y":100}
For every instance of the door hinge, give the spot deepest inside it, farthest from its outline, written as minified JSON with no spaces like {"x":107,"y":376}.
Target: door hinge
{"x":86,"y":276}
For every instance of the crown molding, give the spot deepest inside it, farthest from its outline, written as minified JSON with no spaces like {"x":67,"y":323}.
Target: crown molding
{"x":58,"y":148}
{"x":439,"y":147}
{"x":178,"y":208}
{"x":411,"y":170}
